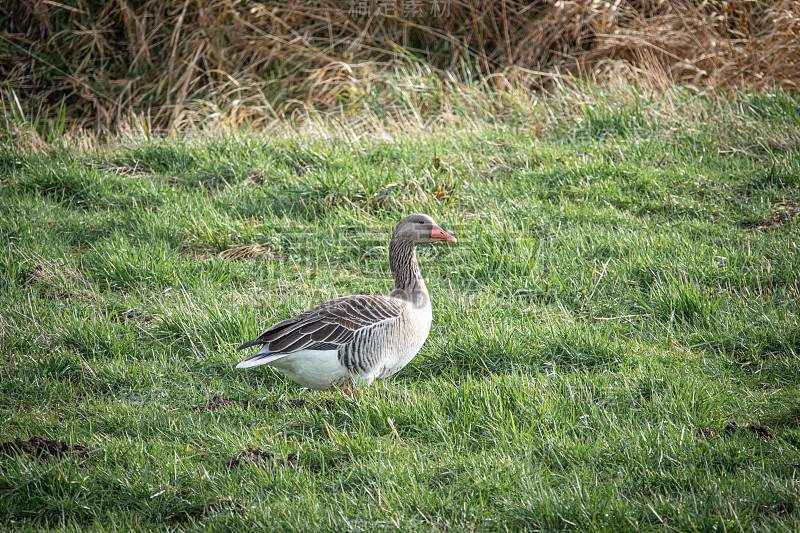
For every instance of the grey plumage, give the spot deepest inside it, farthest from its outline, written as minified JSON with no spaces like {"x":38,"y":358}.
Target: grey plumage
{"x":332,"y":324}
{"x":357,"y":338}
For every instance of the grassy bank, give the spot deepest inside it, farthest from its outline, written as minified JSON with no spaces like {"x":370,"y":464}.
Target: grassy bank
{"x":615,"y":346}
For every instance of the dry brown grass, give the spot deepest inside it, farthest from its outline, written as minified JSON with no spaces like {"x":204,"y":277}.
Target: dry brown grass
{"x":149,"y":65}
{"x":247,"y":251}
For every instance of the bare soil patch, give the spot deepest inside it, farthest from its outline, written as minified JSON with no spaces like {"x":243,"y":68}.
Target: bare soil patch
{"x":41,"y":448}
{"x":217,"y":402}
{"x":784,"y":213}
{"x":761,"y":432}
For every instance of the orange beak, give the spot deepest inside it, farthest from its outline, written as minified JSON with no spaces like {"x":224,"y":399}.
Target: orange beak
{"x":438,"y":234}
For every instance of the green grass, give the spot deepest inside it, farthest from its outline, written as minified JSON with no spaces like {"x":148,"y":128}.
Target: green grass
{"x":618,"y":290}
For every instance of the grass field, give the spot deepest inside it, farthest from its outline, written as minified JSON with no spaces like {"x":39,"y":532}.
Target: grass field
{"x":615,"y":340}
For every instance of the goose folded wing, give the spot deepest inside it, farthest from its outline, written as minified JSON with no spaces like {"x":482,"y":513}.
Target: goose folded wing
{"x":327,"y":325}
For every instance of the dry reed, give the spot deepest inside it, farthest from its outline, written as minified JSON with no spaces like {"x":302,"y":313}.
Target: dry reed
{"x":169,"y":64}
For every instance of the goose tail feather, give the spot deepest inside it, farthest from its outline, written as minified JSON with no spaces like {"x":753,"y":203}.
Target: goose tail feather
{"x":263,"y":357}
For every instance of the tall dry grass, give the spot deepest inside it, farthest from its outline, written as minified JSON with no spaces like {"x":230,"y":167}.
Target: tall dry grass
{"x":176,"y":64}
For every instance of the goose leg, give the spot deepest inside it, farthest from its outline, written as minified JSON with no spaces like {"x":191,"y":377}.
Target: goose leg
{"x":350,"y":393}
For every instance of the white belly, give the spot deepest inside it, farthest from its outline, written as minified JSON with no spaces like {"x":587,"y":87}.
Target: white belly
{"x":314,"y":369}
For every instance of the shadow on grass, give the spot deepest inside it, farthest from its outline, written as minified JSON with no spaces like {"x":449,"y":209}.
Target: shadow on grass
{"x":762,"y":353}
{"x":73,"y":184}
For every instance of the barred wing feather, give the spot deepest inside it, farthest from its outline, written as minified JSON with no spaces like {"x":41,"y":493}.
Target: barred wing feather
{"x":326,"y":326}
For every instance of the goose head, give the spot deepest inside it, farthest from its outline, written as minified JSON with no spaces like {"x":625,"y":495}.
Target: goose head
{"x":420,"y":229}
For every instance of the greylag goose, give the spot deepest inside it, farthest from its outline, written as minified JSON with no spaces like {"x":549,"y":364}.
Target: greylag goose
{"x":357,"y":339}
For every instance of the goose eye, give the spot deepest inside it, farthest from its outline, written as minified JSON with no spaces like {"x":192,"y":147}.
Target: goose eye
{"x":420,"y":221}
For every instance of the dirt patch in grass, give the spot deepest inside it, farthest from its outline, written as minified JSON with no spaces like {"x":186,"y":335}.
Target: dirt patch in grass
{"x":761,"y":432}
{"x":258,"y":177}
{"x":136,"y":315}
{"x":259,"y":457}
{"x":41,"y":448}
{"x":784,"y":214}
{"x":707,"y":433}
{"x":297,"y":403}
{"x":217,"y":402}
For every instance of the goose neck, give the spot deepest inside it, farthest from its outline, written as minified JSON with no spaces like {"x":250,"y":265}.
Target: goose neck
{"x":408,"y":282}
